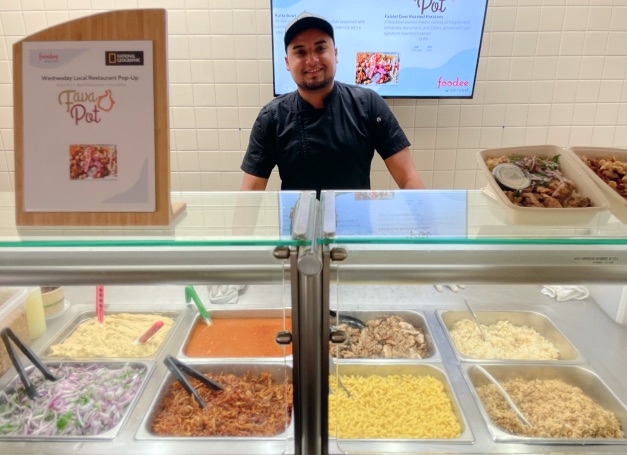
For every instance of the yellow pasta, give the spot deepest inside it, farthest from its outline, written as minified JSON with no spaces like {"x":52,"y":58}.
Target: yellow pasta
{"x":391,"y":407}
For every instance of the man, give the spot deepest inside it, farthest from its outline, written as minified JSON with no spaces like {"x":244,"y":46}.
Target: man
{"x":323,"y":135}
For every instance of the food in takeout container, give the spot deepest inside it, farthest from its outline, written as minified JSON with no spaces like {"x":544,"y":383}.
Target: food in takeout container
{"x":607,"y":167}
{"x":418,"y":400}
{"x":13,"y":315}
{"x":87,"y":399}
{"x":233,"y":335}
{"x":565,"y":404}
{"x":115,"y":338}
{"x":386,"y":335}
{"x":559,"y":192}
{"x":510,"y":336}
{"x":256,"y":402}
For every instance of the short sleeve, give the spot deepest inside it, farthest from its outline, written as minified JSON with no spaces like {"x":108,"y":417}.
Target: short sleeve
{"x":389,"y":138}
{"x":260,"y":157}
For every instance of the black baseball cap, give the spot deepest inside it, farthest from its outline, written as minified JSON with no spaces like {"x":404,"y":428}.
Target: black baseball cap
{"x":305,"y":21}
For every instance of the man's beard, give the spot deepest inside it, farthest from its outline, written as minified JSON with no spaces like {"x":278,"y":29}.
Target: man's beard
{"x":317,"y":85}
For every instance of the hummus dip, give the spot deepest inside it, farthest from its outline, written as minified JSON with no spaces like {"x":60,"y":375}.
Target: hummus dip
{"x":113,"y":338}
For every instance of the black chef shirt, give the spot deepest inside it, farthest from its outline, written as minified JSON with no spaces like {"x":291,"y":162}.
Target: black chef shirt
{"x":323,"y":149}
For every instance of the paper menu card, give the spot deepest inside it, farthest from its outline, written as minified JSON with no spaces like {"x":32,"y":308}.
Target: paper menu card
{"x":88,"y":123}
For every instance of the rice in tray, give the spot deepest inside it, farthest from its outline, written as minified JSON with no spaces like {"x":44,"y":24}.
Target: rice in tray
{"x":391,"y":407}
{"x":554,"y":408}
{"x":503,"y":341}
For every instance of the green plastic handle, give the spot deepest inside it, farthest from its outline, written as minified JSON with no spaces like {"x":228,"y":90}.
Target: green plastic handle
{"x":190,"y":294}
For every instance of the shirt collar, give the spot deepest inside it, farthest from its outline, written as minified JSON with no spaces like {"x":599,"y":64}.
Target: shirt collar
{"x":306,"y":106}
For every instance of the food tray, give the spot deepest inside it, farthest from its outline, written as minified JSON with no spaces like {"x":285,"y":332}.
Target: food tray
{"x":280,"y":372}
{"x":576,"y":375}
{"x":224,"y":334}
{"x":10,"y":380}
{"x":618,"y":204}
{"x":87,"y":315}
{"x":415,"y":318}
{"x":346,"y":367}
{"x":542,"y":215}
{"x":539,"y":322}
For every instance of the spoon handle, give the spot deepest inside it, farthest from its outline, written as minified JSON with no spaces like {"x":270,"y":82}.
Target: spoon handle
{"x":474,"y":317}
{"x":334,"y":373}
{"x":505,"y":395}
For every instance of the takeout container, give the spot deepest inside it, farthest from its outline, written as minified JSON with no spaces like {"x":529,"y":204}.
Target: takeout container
{"x":280,"y":373}
{"x":348,"y":367}
{"x":576,"y":375}
{"x":10,"y":382}
{"x":617,"y":203}
{"x":70,"y":327}
{"x":543,"y":215}
{"x":231,"y":347}
{"x":53,"y":299}
{"x":542,"y":324}
{"x":415,"y":318}
{"x":12,"y":315}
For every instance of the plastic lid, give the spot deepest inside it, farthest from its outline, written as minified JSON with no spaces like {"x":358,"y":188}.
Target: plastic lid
{"x":511,"y":176}
{"x":10,"y":298}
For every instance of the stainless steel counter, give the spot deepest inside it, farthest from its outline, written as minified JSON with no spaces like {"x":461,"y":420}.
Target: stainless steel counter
{"x":600,"y":341}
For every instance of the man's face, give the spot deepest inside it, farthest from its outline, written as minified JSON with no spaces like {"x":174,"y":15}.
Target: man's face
{"x":311,"y":59}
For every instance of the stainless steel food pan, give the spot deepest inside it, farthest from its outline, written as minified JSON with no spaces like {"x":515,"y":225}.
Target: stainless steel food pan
{"x":437,"y":371}
{"x":415,"y":318}
{"x":11,"y":380}
{"x":87,"y":315}
{"x":281,"y":373}
{"x":233,"y":314}
{"x":542,"y":324}
{"x":577,"y":375}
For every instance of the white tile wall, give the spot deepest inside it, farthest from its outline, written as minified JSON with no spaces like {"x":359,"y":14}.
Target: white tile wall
{"x":550,"y":72}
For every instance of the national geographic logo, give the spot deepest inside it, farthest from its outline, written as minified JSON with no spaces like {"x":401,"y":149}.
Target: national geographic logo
{"x":124,"y":58}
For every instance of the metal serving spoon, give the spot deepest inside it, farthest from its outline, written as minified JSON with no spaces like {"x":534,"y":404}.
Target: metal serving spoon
{"x":348,"y":320}
{"x":334,"y":373}
{"x":505,"y":395}
{"x":474,"y":318}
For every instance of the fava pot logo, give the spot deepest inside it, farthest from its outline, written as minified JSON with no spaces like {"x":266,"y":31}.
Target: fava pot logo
{"x":86,"y":107}
{"x":431,"y":6}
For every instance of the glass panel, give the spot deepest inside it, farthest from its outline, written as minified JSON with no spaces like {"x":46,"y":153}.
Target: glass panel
{"x":220,"y":236}
{"x":547,"y":346}
{"x":237,"y":349}
{"x":454,"y":217}
{"x":217,"y":218}
{"x":392,"y":392}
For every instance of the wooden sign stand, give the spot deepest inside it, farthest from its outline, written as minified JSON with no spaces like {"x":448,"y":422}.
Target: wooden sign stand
{"x":140,"y":24}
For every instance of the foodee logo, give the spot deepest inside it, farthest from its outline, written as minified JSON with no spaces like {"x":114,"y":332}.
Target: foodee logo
{"x":454,"y":83}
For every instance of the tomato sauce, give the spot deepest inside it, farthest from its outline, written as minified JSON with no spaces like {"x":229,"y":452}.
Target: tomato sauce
{"x":238,"y":337}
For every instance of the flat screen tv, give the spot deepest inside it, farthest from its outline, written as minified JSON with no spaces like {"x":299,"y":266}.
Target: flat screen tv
{"x":399,"y":48}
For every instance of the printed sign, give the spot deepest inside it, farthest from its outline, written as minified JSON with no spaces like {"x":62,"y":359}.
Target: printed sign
{"x":89,"y":132}
{"x":411,"y":214}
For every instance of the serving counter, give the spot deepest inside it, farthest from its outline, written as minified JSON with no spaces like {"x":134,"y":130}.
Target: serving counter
{"x":302,"y":259}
